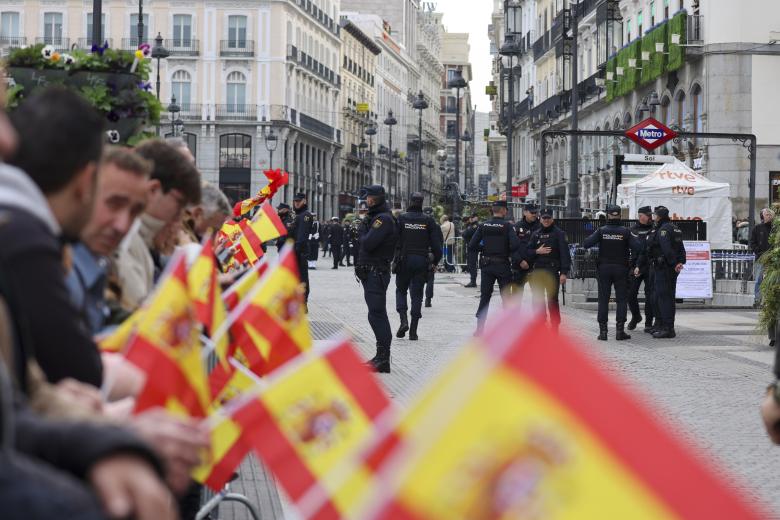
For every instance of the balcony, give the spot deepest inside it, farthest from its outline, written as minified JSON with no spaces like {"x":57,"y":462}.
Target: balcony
{"x":131,"y":44}
{"x":182,"y":47}
{"x":86,"y":43}
{"x":292,"y":53}
{"x":13,"y":41}
{"x":316,"y":126}
{"x":191,"y":111}
{"x":235,"y":112}
{"x":236,"y":48}
{"x":60,"y":44}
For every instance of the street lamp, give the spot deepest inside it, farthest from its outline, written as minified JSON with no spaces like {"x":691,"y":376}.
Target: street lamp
{"x":390,"y":121}
{"x":362,"y":150}
{"x":271,"y":142}
{"x":430,"y":182}
{"x":508,"y":52}
{"x":371,"y":132}
{"x":320,"y":191}
{"x":174,"y":110}
{"x":466,"y":138}
{"x":420,"y":104}
{"x":159,"y":53}
{"x":97,"y":23}
{"x":140,"y":22}
{"x":457,"y":83}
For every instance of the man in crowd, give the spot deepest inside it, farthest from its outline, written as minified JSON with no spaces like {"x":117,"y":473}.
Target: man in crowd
{"x":448,"y":232}
{"x":428,"y":211}
{"x":378,"y":237}
{"x":419,"y":248}
{"x":283,"y":210}
{"x":174,"y":184}
{"x":641,"y":273}
{"x":498,"y":242}
{"x":548,"y":250}
{"x":300,"y":232}
{"x":524,"y":228}
{"x":759,"y":244}
{"x":210,"y":214}
{"x":336,"y":241}
{"x":471,"y":228}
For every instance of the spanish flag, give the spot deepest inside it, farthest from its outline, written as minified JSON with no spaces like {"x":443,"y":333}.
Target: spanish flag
{"x":524,"y":425}
{"x":119,"y":338}
{"x":241,"y":287}
{"x":267,"y":224}
{"x":206,"y":295}
{"x":166,"y":347}
{"x":269,"y":325}
{"x":317,"y":412}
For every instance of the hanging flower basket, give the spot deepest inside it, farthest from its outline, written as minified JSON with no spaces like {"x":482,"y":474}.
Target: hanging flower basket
{"x":115,"y":82}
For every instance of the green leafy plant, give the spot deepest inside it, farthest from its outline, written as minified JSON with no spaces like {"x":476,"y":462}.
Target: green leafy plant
{"x":770,"y":286}
{"x":98,"y":96}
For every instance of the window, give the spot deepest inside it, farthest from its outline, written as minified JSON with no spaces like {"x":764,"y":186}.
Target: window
{"x":182,"y":30}
{"x":236,"y":92}
{"x":451,"y":129}
{"x":628,"y":30}
{"x":698,"y":109}
{"x":666,"y":9}
{"x":134,"y":28}
{"x":679,"y":112}
{"x":52,"y":28}
{"x":652,"y":14}
{"x":237,"y":32}
{"x":639,"y":23}
{"x":9,"y":27}
{"x":665,"y":110}
{"x":181,"y":86}
{"x":89,"y":26}
{"x":235,"y":162}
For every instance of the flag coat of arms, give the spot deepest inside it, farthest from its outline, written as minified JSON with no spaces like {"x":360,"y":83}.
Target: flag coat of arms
{"x":525,"y":425}
{"x":206,"y":295}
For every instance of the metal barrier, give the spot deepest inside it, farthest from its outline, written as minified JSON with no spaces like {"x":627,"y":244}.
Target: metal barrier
{"x":459,"y":257}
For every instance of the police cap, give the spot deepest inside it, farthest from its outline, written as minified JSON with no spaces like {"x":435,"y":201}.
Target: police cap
{"x":499,"y":204}
{"x":375,"y":190}
{"x":428,"y":210}
{"x":613,"y":210}
{"x":531,"y":208}
{"x":546,"y":212}
{"x":662,"y":211}
{"x":416,"y":198}
{"x":299,"y":196}
{"x":283,"y":205}
{"x":645,"y":210}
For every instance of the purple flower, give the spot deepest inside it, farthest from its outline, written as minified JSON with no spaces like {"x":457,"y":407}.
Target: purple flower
{"x":146,"y":49}
{"x":100,"y":49}
{"x":145,"y":85}
{"x":113,"y":116}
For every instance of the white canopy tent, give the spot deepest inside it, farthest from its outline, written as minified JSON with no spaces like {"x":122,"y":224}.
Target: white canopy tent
{"x":688,"y":195}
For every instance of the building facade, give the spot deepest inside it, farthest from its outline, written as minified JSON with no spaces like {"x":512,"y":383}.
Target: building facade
{"x":455,"y":59}
{"x":359,"y":110}
{"x":237,"y":70}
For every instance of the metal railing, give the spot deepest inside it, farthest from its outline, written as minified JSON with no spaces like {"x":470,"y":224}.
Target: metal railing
{"x":183,"y":47}
{"x":235,"y":112}
{"x":86,"y":43}
{"x":59,"y":43}
{"x":131,"y":44}
{"x":191,"y":111}
{"x":694,"y":34}
{"x":236,"y":48}
{"x":13,"y":41}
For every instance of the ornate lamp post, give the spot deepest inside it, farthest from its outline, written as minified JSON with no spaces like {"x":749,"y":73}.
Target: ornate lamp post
{"x":457,"y":83}
{"x":371,"y":132}
{"x":390,"y":121}
{"x":159,"y":53}
{"x":176,"y":123}
{"x":420,"y":104}
{"x":362,"y":150}
{"x":271,"y":142}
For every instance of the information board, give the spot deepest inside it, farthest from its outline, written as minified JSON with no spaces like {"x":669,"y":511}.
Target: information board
{"x":695,"y":280}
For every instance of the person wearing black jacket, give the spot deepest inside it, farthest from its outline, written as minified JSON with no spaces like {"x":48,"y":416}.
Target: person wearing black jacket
{"x":498,"y":243}
{"x":378,"y":238}
{"x":300,"y":230}
{"x":419,"y":248}
{"x":468,"y":233}
{"x":336,"y":241}
{"x":759,"y":244}
{"x":283,"y":210}
{"x":666,"y":252}
{"x":431,"y":279}
{"x":616,"y":243}
{"x":524,"y":229}
{"x":549,"y":253}
{"x":641,"y":274}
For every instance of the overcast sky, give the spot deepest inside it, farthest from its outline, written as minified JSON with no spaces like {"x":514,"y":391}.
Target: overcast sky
{"x":473,"y":17}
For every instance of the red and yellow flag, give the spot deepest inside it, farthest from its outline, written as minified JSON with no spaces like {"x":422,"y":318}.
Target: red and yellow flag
{"x":317,"y":412}
{"x":525,"y":425}
{"x":166,"y":347}
{"x":206,"y":295}
{"x":241,"y":287}
{"x":267,"y":224}
{"x":269,"y":325}
{"x":119,"y":338}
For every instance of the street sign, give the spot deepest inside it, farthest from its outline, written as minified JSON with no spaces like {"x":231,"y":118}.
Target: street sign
{"x":362,"y":108}
{"x":520,"y":190}
{"x":650,"y":134}
{"x":643,"y":158}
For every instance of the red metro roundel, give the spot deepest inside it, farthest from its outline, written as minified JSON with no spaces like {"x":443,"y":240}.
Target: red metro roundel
{"x":650,"y":134}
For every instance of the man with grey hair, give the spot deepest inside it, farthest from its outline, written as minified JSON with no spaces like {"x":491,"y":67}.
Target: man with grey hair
{"x":210,"y":214}
{"x":759,"y":244}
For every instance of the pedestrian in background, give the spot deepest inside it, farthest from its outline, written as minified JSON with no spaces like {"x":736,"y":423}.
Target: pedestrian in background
{"x":336,"y":241}
{"x":468,"y":233}
{"x":548,"y":250}
{"x":448,"y":232}
{"x":759,"y":244}
{"x":300,"y":232}
{"x":314,"y":242}
{"x":432,"y":273}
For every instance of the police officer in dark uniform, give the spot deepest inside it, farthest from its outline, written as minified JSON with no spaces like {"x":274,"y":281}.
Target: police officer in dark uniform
{"x":667,"y":254}
{"x":419,"y":246}
{"x":378,"y":238}
{"x":432,"y":272}
{"x":615,"y":246}
{"x":524,"y":228}
{"x":549,"y":253}
{"x":498,"y":242}
{"x":640,"y":274}
{"x":471,"y":228}
{"x":300,"y":231}
{"x":335,"y":241}
{"x":283,"y":210}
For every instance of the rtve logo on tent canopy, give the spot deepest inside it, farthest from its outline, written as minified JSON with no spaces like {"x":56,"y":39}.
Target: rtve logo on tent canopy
{"x":650,"y":134}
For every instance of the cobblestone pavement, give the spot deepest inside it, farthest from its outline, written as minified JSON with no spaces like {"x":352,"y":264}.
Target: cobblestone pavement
{"x":707,"y":382}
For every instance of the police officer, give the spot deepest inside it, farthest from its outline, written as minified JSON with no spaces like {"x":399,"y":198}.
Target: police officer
{"x":640,"y":274}
{"x":300,"y":230}
{"x":335,"y":241}
{"x":471,"y":228}
{"x":497,"y":241}
{"x":428,"y":211}
{"x":615,"y":246}
{"x":549,"y":253}
{"x":283,"y":210}
{"x":419,"y":246}
{"x":524,"y":228}
{"x":378,"y":237}
{"x":667,"y":254}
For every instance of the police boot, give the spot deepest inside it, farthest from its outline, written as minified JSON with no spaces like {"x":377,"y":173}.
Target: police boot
{"x":634,"y":321}
{"x":427,"y":302}
{"x":403,"y":327}
{"x":602,"y":332}
{"x":381,"y":362}
{"x":664,"y":332}
{"x":621,"y":335}
{"x":413,"y":329}
{"x":649,"y":327}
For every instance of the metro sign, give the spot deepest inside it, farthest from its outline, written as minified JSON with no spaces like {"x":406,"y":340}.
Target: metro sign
{"x":650,"y":134}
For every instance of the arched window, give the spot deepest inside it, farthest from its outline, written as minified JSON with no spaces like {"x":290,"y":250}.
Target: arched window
{"x":181,"y":86}
{"x":235,"y":163}
{"x":665,"y":102}
{"x":697,"y":103}
{"x":679,"y":109}
{"x":236,"y":92}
